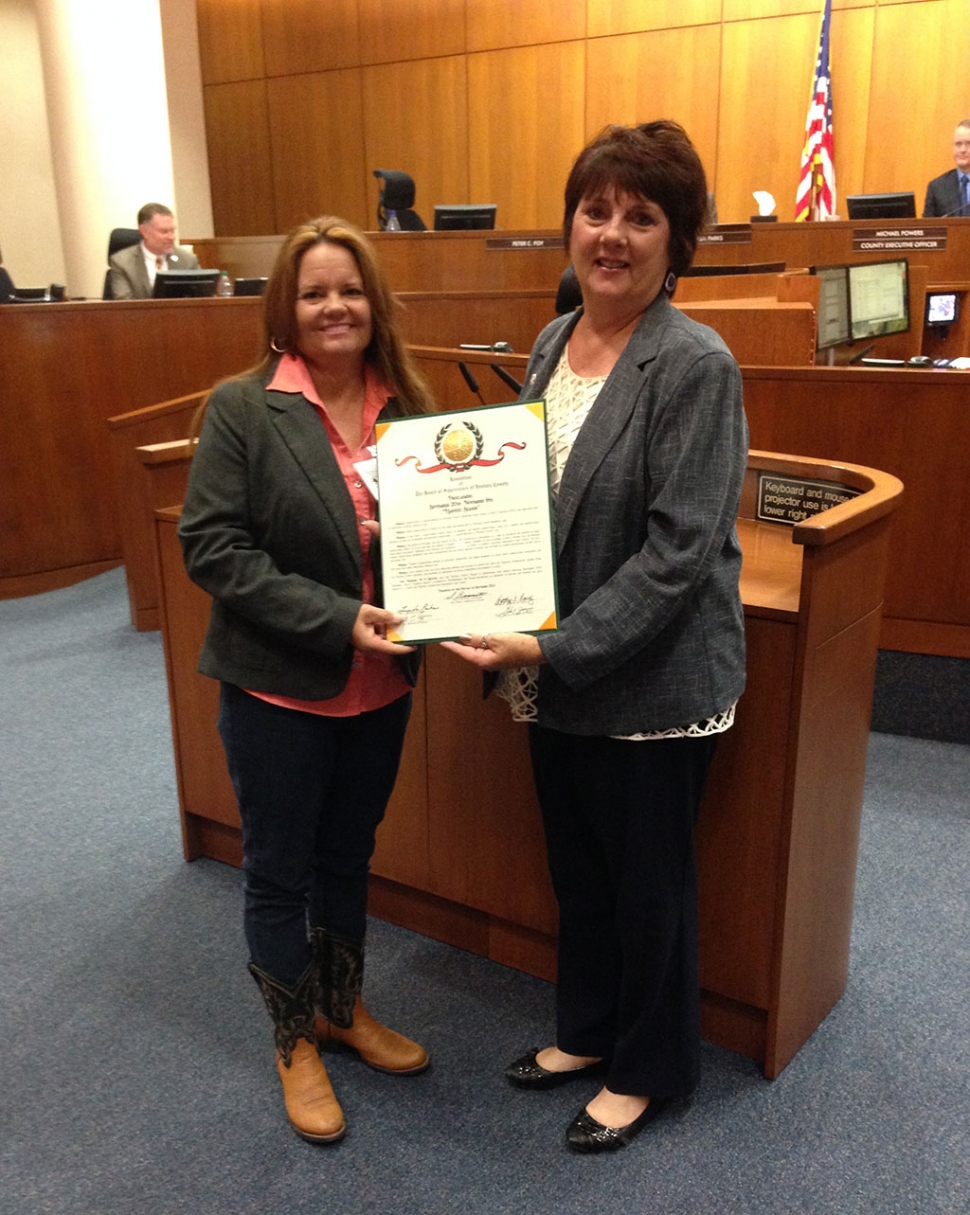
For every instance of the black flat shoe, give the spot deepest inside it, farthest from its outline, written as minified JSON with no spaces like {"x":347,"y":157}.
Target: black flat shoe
{"x":527,"y":1072}
{"x":585,"y":1134}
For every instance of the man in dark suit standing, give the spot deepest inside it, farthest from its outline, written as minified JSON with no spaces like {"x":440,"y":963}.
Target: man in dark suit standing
{"x":949,"y":194}
{"x":133,"y":270}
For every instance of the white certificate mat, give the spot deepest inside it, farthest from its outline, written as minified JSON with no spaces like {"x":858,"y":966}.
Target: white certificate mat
{"x":466,"y":524}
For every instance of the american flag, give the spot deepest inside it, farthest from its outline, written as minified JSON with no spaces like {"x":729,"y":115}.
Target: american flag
{"x":816,"y":185}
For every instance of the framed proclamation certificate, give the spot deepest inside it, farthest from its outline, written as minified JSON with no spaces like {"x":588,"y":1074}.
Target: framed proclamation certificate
{"x":466,"y":523}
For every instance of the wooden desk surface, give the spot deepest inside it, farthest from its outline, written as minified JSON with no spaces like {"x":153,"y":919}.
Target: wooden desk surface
{"x":771,"y":570}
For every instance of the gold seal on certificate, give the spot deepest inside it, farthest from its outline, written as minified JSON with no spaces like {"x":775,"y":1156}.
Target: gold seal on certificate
{"x":466,"y":524}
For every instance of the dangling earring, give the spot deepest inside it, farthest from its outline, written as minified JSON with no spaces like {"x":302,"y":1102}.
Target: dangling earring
{"x":274,"y":347}
{"x":670,"y":282}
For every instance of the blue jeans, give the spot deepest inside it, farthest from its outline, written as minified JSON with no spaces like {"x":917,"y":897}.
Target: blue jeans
{"x":311,"y":793}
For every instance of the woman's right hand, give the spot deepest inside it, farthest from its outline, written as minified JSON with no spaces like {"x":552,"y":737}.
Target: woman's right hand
{"x":370,"y":628}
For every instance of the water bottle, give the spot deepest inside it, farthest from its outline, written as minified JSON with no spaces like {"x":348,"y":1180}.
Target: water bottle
{"x":392,"y":224}
{"x":223,"y":285}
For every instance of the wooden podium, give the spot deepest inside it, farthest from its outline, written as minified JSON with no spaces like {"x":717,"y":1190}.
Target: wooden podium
{"x":460,"y":855}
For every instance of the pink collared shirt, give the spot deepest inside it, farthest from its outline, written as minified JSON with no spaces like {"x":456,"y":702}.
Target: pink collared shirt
{"x":375,"y":679}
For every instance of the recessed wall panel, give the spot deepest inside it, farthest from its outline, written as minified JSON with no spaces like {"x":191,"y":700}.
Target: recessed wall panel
{"x":433,"y":144}
{"x":317,"y":132}
{"x":525,"y":128}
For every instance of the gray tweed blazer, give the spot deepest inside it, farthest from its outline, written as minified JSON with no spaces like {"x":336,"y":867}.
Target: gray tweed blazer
{"x":651,"y":632}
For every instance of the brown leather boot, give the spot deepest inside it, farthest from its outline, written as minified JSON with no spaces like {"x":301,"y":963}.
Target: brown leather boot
{"x":311,"y":1105}
{"x":339,"y":971}
{"x":381,"y":1048}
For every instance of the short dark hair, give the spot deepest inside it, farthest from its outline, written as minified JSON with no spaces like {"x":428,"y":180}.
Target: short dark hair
{"x":656,"y":161}
{"x":150,"y":210}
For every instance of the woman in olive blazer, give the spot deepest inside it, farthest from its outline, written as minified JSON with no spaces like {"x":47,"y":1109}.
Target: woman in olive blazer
{"x":277,"y":527}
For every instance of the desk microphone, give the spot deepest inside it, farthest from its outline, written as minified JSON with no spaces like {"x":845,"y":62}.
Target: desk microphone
{"x":862,"y":353}
{"x":470,"y":380}
{"x":950,"y":214}
{"x":504,"y":376}
{"x":495,"y":348}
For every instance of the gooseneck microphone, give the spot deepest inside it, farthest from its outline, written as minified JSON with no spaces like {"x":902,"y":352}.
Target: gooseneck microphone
{"x":504,"y":376}
{"x":470,"y":380}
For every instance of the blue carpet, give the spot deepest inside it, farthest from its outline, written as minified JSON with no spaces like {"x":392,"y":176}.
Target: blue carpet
{"x":137,"y":1061}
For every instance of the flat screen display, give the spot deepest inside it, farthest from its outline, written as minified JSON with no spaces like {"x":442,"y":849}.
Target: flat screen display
{"x":834,"y":326}
{"x":462,"y":217}
{"x":185,"y":284}
{"x":879,"y":298}
{"x":901,"y":205}
{"x":941,"y":307}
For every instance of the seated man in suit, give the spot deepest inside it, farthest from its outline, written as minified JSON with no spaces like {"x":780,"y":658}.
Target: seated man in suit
{"x":133,"y":270}
{"x":949,"y":194}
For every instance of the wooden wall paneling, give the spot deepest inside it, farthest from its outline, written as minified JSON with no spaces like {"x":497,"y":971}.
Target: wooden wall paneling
{"x":310,"y":36}
{"x":632,"y":16}
{"x":203,"y":779}
{"x":70,"y":367}
{"x":865,"y":416}
{"x":230,"y":40}
{"x":905,"y":155}
{"x":754,"y":10}
{"x":440,"y":370}
{"x":403,"y":839}
{"x":489,"y":855}
{"x":766,"y":66}
{"x":317,"y":127}
{"x":391,"y":32}
{"x":239,"y":256}
{"x":464,"y":261}
{"x":765,"y":333}
{"x":662,"y":74}
{"x":240,"y":160}
{"x":159,"y":425}
{"x":432,"y":144}
{"x":525,"y":121}
{"x":739,"y":826}
{"x":851,"y":52}
{"x":494,"y":24}
{"x":450,"y":320}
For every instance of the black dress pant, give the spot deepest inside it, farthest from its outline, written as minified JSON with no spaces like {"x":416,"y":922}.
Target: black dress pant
{"x":619,"y":821}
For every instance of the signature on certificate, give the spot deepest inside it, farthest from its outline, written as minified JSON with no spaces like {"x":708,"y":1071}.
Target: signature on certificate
{"x":514,"y":605}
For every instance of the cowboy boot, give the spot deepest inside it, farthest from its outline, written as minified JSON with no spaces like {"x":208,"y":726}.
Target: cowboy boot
{"x":342,"y":1018}
{"x":311,"y":1105}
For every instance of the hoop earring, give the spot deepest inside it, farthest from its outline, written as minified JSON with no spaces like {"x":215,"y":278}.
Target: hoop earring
{"x":670,"y":282}
{"x":276,"y":349}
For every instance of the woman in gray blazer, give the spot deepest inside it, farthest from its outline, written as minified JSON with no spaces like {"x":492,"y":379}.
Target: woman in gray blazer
{"x":315,"y":699}
{"x":647,"y":450}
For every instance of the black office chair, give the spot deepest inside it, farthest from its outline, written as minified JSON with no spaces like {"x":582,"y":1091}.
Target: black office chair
{"x":397,"y":195}
{"x":568,"y":297}
{"x":120,"y":238}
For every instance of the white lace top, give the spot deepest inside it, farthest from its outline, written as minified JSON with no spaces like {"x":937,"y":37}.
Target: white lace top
{"x":569,"y":398}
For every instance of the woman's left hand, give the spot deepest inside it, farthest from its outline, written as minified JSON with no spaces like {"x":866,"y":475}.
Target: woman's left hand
{"x":496,"y":651}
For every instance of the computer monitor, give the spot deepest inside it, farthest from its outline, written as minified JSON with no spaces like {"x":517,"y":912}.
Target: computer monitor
{"x":249,"y":286}
{"x":879,"y":298}
{"x":834,"y":323}
{"x":460,"y":217}
{"x":942,"y":307}
{"x":185,"y":284}
{"x":901,"y":205}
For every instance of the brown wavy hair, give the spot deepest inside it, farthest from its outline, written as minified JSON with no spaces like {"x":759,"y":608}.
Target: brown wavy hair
{"x":655,"y":160}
